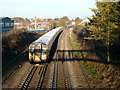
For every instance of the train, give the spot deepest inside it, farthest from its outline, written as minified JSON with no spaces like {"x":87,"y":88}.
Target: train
{"x":39,"y":50}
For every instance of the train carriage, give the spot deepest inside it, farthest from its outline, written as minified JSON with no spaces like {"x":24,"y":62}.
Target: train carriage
{"x":39,"y":50}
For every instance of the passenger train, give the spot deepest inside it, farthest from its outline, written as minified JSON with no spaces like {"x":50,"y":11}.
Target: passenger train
{"x":39,"y":50}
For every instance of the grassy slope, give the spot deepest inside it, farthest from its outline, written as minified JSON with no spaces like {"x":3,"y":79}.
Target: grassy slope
{"x":101,"y":74}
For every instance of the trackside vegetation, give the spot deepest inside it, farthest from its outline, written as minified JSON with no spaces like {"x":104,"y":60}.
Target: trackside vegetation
{"x":106,"y":24}
{"x":15,"y":45}
{"x":92,"y":54}
{"x":99,"y":45}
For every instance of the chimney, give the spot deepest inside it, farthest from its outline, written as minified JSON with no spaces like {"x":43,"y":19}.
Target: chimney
{"x":35,"y":22}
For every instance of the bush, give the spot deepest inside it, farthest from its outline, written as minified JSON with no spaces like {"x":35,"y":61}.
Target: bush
{"x":16,"y":41}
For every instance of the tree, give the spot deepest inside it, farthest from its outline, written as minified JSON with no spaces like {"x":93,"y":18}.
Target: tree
{"x":53,"y":24}
{"x":62,"y":22}
{"x":56,"y":19}
{"x":27,"y":20}
{"x":106,"y":23}
{"x":77,"y":19}
{"x":65,"y":18}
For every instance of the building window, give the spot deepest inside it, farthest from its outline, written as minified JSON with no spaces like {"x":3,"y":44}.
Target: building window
{"x":1,"y":24}
{"x":11,"y":24}
{"x":6,"y":24}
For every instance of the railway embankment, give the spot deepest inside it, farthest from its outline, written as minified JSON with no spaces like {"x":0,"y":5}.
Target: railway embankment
{"x":92,"y":55}
{"x":15,"y":45}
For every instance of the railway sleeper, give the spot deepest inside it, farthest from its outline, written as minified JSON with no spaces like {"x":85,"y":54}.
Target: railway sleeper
{"x":41,"y":77}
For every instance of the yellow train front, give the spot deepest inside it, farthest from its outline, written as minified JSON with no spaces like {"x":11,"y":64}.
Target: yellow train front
{"x":39,"y":50}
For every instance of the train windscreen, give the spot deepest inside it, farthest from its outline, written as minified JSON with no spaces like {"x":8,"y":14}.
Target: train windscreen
{"x":38,"y":50}
{"x":31,"y":48}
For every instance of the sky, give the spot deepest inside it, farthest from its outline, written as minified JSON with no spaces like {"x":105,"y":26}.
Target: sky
{"x":47,"y":8}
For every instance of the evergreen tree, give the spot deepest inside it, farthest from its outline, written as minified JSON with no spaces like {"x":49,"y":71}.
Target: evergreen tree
{"x":105,"y":23}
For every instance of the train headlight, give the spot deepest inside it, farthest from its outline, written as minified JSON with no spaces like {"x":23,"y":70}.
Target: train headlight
{"x":43,"y":57}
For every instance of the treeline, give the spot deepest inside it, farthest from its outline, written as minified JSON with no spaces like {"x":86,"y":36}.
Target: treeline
{"x":14,"y":42}
{"x":105,"y":25}
{"x":19,"y":19}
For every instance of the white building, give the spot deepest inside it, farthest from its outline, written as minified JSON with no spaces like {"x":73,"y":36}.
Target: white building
{"x":18,"y":25}
{"x":72,"y":23}
{"x":84,"y":22}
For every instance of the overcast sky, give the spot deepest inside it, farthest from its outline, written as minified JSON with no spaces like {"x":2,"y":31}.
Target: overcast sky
{"x":47,"y":8}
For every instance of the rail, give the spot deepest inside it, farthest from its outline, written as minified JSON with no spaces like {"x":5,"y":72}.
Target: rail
{"x":29,"y":77}
{"x":54,"y":71}
{"x":42,"y":71}
{"x":83,"y":70}
{"x":66,"y":63}
{"x":67,"y":71}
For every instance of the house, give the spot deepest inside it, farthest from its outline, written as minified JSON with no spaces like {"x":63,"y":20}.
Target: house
{"x":84,"y":22}
{"x":17,"y":25}
{"x":6,"y":24}
{"x":72,"y":23}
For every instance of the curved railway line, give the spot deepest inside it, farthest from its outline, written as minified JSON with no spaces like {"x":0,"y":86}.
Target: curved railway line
{"x":63,"y":72}
{"x":68,"y":74}
{"x":60,"y":77}
{"x":78,"y":74}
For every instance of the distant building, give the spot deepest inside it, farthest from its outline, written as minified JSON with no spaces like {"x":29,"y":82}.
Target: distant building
{"x":84,"y":22}
{"x":6,"y":24}
{"x":18,"y":25}
{"x":38,"y":24}
{"x":72,"y":23}
{"x":21,"y":25}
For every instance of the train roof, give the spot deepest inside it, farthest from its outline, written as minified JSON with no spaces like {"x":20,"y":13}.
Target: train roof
{"x":45,"y":39}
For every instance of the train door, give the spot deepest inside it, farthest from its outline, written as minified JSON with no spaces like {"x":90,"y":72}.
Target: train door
{"x":44,"y":56}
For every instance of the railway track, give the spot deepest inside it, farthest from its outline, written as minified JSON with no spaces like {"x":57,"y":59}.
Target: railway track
{"x":69,"y":84}
{"x":68,"y":74}
{"x":42,"y":74}
{"x":65,"y":57}
{"x":57,"y":82}
{"x":60,"y":77}
{"x":83,"y":80}
{"x":81,"y":67}
{"x":29,"y":78}
{"x":35,"y":77}
{"x":61,"y":73}
{"x":54,"y":78}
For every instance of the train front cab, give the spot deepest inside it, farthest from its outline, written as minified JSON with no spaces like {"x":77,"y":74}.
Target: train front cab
{"x":38,"y":52}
